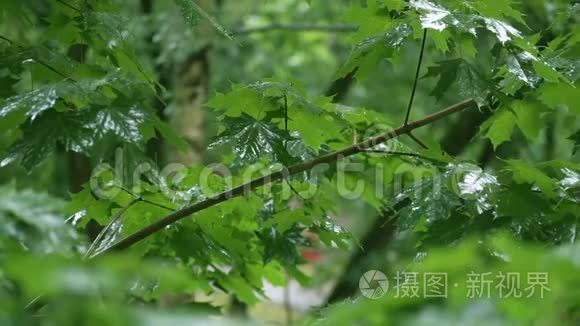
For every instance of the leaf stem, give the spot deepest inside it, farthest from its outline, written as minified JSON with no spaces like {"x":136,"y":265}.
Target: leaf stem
{"x":418,"y":141}
{"x":156,"y":204}
{"x":416,"y":77}
{"x":145,"y":200}
{"x":6,"y":39}
{"x":378,"y":151}
{"x":66,"y":4}
{"x":112,"y":222}
{"x":285,"y":118}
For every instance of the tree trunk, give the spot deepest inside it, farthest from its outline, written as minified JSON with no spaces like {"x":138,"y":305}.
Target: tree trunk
{"x":79,"y":166}
{"x":191,"y":93}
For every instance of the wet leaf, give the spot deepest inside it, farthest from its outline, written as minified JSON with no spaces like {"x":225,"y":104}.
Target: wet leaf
{"x":576,"y":139}
{"x":457,"y":15}
{"x":555,"y":95}
{"x":251,"y":139}
{"x":371,"y":20}
{"x":529,"y":118}
{"x":34,"y":102}
{"x":34,"y":222}
{"x":500,"y":127}
{"x":192,"y":13}
{"x":371,"y":51}
{"x":465,"y":77}
{"x":526,"y":173}
{"x":80,"y":132}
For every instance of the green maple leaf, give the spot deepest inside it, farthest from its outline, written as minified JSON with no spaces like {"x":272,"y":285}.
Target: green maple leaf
{"x":396,"y":5}
{"x":526,"y":173}
{"x":529,"y":117}
{"x":515,"y":202}
{"x":468,"y":17}
{"x":284,"y":220}
{"x":469,"y":82}
{"x":371,"y":20}
{"x":240,"y":100}
{"x":82,"y":132}
{"x":369,"y":52}
{"x":576,"y":139}
{"x":34,"y":222}
{"x":33,"y":103}
{"x":496,"y":9}
{"x":447,"y":73}
{"x":427,"y":204}
{"x":251,"y":139}
{"x":555,"y":95}
{"x":316,"y":130}
{"x":500,"y":127}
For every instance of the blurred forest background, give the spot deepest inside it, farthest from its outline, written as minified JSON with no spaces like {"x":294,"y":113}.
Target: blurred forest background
{"x":175,"y":57}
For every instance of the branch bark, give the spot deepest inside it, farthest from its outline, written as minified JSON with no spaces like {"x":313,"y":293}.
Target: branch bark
{"x":279,"y":175}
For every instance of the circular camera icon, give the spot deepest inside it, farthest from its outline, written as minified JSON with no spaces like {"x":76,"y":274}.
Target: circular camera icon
{"x":373,"y":284}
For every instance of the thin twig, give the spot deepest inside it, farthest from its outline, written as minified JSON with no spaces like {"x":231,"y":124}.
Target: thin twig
{"x":6,"y":39}
{"x":156,"y":204}
{"x":293,"y":189}
{"x":415,"y":82}
{"x":418,"y":141}
{"x":285,"y":118}
{"x":378,"y":151}
{"x":286,"y":142}
{"x":41,"y":62}
{"x":297,"y":27}
{"x":214,"y":23}
{"x":69,"y":5}
{"x":145,"y":200}
{"x":278,"y":175}
{"x":49,"y":67}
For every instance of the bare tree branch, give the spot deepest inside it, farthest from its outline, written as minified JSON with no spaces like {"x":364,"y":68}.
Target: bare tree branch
{"x":418,"y":141}
{"x":279,"y":175}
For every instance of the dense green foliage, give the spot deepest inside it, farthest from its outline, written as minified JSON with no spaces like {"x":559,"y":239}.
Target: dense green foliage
{"x":89,"y":78}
